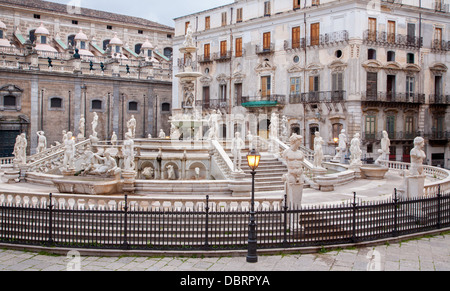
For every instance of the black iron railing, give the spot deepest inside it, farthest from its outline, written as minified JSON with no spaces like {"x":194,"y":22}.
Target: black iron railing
{"x":383,"y":38}
{"x":210,"y":228}
{"x":316,"y":97}
{"x":393,"y":97}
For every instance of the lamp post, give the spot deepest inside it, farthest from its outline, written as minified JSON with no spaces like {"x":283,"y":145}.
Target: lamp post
{"x":253,"y":159}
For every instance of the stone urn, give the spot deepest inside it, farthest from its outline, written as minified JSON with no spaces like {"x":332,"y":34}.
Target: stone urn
{"x":373,"y":172}
{"x":11,"y":176}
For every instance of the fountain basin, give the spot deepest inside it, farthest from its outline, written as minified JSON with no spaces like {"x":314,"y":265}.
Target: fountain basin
{"x":373,"y":172}
{"x":88,"y":185}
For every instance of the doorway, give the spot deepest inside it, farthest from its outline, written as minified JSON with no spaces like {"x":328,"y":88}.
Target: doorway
{"x":8,"y":138}
{"x":263,"y":128}
{"x":312,"y":135}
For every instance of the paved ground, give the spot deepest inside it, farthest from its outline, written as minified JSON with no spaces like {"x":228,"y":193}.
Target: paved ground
{"x":424,"y":254}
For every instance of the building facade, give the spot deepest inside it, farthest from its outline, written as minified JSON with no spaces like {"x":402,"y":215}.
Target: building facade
{"x":61,"y":63}
{"x":362,"y":66}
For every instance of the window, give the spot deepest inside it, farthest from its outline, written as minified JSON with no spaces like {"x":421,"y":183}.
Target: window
{"x":9,"y":101}
{"x":207,"y":22}
{"x":71,"y":40}
{"x":223,"y":48}
{"x":411,"y":33}
{"x":109,"y":27}
{"x":410,"y":58}
{"x":165,"y":107}
{"x":140,"y":31}
{"x":315,"y":2}
{"x":372,"y":29}
{"x":105,"y":44}
{"x":296,"y":37}
{"x":337,"y":128}
{"x":315,"y":32}
{"x":117,"y":49}
{"x":56,"y":102}
{"x":314,"y":85}
{"x":295,"y":86}
{"x":133,"y":106}
{"x":37,"y":16}
{"x":75,"y":22}
{"x":222,"y":92}
{"x":390,"y":126}
{"x":372,"y":86}
{"x":410,"y":86}
{"x":1,"y":34}
{"x":296,"y":4}
{"x":437,"y":38}
{"x":266,"y":41}
{"x":168,"y":52}
{"x":239,"y":47}
{"x":267,"y":8}
{"x":186,"y":25}
{"x":371,"y":54}
{"x":206,"y":97}
{"x":224,"y":18}
{"x":82,"y":45}
{"x":32,"y":36}
{"x":409,"y":127}
{"x":391,"y":31}
{"x":337,"y":85}
{"x":391,"y":56}
{"x":137,"y":48}
{"x":96,"y":105}
{"x":207,"y":51}
{"x":370,"y":127}
{"x":43,"y":39}
{"x":266,"y":86}
{"x":239,"y":15}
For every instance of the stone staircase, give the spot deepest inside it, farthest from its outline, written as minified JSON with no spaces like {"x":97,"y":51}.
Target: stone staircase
{"x":269,"y":174}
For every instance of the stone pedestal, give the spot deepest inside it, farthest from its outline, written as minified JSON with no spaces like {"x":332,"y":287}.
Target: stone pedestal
{"x":240,"y":186}
{"x":326,"y":183}
{"x":11,"y":176}
{"x":413,"y":186}
{"x":294,"y":194}
{"x":129,"y":177}
{"x":68,"y":172}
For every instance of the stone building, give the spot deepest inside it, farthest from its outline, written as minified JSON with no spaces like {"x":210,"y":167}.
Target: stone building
{"x":362,"y":66}
{"x":59,"y":63}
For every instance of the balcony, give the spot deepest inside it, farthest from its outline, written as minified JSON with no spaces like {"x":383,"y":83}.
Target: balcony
{"x":327,"y":39}
{"x":261,"y":50}
{"x":222,"y":56}
{"x":440,"y":46}
{"x":212,"y":104}
{"x":439,"y":99}
{"x":263,"y":101}
{"x":383,"y":38}
{"x":204,"y":59}
{"x":393,"y":136}
{"x":392,"y":97}
{"x":317,"y":97}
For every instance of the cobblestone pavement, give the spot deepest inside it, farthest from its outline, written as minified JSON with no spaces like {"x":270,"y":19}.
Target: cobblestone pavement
{"x":424,"y":254}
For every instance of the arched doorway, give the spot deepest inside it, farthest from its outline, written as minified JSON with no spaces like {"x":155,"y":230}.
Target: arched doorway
{"x":263,"y":128}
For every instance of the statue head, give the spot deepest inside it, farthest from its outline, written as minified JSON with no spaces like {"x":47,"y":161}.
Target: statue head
{"x":419,"y":142}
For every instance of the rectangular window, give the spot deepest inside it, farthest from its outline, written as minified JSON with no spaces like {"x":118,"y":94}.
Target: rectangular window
{"x":370,"y":127}
{"x":223,"y":48}
{"x":206,"y":97}
{"x":315,"y":2}
{"x":207,"y":51}
{"x":296,"y":37}
{"x":390,"y":126}
{"x":315,"y":32}
{"x":267,"y":8}
{"x":411,"y":33}
{"x":186,"y":25}
{"x":238,"y":93}
{"x":295,"y":86}
{"x":372,"y":29}
{"x":37,"y":16}
{"x":239,"y":15}
{"x":75,"y":22}
{"x":207,"y":22}
{"x":140,"y":31}
{"x":391,"y":32}
{"x":1,"y":34}
{"x":109,"y":27}
{"x":296,"y":4}
{"x":266,"y":86}
{"x":222,"y":92}
{"x":224,"y":18}
{"x":239,"y":47}
{"x":410,"y":86}
{"x":43,"y":39}
{"x":438,"y":37}
{"x":314,"y":84}
{"x":266,"y":41}
{"x":372,"y":86}
{"x":409,"y":127}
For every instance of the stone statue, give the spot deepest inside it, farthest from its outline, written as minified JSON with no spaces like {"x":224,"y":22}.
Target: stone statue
{"x":131,"y":125}
{"x":170,"y":173}
{"x":114,"y":139}
{"x":341,"y":148}
{"x":189,"y":42}
{"x":355,"y":150}
{"x":105,"y":167}
{"x":384,"y":151}
{"x":294,"y":179}
{"x":318,"y":150}
{"x":94,"y":125}
{"x":42,"y":142}
{"x":213,"y":122}
{"x":197,"y":173}
{"x":237,"y":145}
{"x":274,"y":126}
{"x":162,"y":134}
{"x":284,"y":127}
{"x":251,"y":140}
{"x":64,"y":134}
{"x":20,"y":149}
{"x":81,"y":127}
{"x":128,"y":153}
{"x":148,"y":173}
{"x":69,"y":152}
{"x":417,"y":157}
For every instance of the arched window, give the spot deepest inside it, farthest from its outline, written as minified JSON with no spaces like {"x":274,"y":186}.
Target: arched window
{"x":410,"y":58}
{"x":56,"y":102}
{"x":105,"y":44}
{"x":32,"y":36}
{"x":391,"y":56}
{"x":96,"y":105}
{"x":168,"y":52}
{"x":165,"y":107}
{"x":71,"y":40}
{"x":133,"y":106}
{"x":137,"y":48}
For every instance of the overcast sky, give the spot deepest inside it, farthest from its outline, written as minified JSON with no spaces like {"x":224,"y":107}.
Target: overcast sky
{"x":156,"y":10}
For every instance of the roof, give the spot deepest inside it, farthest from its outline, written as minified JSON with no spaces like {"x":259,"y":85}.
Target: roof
{"x":85,"y":12}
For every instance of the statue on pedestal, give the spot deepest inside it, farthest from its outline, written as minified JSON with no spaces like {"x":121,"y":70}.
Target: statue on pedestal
{"x":131,"y":125}
{"x":355,"y":149}
{"x":20,"y":149}
{"x":81,"y":127}
{"x":237,"y":145}
{"x":128,"y":153}
{"x":294,"y":179}
{"x":42,"y":142}
{"x":384,"y":151}
{"x":69,"y":152}
{"x":318,"y":150}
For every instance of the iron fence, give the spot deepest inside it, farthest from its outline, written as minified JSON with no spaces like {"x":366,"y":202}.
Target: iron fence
{"x":211,"y":228}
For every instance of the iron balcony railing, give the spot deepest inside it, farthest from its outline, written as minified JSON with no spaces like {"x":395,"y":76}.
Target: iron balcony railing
{"x":393,"y":97}
{"x":212,"y":104}
{"x":392,"y":39}
{"x":327,"y":39}
{"x":438,"y":135}
{"x":204,"y":59}
{"x":393,"y":135}
{"x":222,"y":56}
{"x":317,"y":97}
{"x":261,"y":49}
{"x":440,"y":45}
{"x":439,"y":99}
{"x":128,"y":226}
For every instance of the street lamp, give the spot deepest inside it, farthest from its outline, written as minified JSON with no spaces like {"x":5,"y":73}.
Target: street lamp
{"x":253,"y":159}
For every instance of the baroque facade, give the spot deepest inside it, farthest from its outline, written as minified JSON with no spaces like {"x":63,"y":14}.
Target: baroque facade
{"x":61,"y":63}
{"x":362,"y":66}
